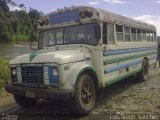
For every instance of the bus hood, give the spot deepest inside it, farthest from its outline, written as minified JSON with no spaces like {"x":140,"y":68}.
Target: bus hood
{"x":60,"y":57}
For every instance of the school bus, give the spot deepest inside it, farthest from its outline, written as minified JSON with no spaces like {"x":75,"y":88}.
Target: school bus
{"x":80,"y":50}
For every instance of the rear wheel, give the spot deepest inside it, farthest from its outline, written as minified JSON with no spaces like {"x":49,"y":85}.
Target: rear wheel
{"x":144,"y":74}
{"x":85,"y":95}
{"x":25,"y":101}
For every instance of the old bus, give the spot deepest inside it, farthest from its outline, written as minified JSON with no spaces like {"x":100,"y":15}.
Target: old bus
{"x":80,"y":50}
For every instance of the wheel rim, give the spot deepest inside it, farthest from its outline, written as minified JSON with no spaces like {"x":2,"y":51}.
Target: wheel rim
{"x":87,"y":93}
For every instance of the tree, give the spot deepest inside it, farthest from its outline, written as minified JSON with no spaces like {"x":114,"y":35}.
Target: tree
{"x":34,"y":14}
{"x":4,"y":6}
{"x":17,"y":25}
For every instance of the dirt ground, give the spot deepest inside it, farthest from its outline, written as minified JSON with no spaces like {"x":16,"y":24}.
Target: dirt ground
{"x":127,"y":100}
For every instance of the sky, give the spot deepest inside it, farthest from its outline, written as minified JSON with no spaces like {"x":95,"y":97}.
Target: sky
{"x":144,"y":10}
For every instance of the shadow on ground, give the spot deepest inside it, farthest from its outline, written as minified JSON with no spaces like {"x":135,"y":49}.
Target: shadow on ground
{"x":58,"y":109}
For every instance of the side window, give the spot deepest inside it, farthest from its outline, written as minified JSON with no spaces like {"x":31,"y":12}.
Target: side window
{"x":151,"y":36}
{"x":111,"y":39}
{"x":104,"y":33}
{"x":148,"y":35}
{"x":127,"y":33}
{"x":133,"y":34}
{"x":155,"y":36}
{"x":143,"y":35}
{"x":139,"y":37}
{"x":119,"y":33}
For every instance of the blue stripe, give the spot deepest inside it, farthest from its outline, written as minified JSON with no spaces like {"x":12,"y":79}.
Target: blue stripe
{"x":111,"y":69}
{"x":121,"y":51}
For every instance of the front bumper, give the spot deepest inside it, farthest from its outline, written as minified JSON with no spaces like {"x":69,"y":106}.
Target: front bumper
{"x":41,"y":93}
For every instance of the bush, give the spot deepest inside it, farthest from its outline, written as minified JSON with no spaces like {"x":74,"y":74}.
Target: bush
{"x":20,"y":38}
{"x":3,"y":72}
{"x":4,"y":37}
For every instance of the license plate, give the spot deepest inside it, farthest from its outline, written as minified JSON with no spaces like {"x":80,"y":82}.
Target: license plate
{"x":30,"y":94}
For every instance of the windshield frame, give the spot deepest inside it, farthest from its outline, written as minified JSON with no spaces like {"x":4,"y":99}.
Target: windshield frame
{"x":63,"y":29}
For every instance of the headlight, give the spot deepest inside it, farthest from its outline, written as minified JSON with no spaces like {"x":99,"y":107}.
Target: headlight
{"x":14,"y":75}
{"x":55,"y":72}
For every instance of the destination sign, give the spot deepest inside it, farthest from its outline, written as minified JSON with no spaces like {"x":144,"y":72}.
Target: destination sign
{"x":69,"y":16}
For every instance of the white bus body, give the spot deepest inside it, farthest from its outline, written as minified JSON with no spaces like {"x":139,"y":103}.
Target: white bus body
{"x":82,"y":46}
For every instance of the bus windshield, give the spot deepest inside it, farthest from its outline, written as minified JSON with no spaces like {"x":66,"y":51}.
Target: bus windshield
{"x":79,"y":34}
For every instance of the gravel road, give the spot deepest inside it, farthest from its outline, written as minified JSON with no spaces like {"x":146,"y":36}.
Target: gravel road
{"x":127,"y":100}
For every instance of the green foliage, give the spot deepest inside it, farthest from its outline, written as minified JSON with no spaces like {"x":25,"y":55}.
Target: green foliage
{"x":4,"y":6}
{"x":34,"y":14}
{"x":20,"y":38}
{"x":17,"y":26}
{"x":3,"y":72}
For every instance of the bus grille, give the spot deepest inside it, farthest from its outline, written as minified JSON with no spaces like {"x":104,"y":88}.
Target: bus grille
{"x":32,"y":74}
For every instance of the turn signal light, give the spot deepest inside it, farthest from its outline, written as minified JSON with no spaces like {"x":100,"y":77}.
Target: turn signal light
{"x":83,"y":14}
{"x":46,"y":22}
{"x":43,"y":22}
{"x":86,"y":13}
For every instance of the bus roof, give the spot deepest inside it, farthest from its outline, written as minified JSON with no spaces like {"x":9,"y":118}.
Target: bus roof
{"x":119,"y":19}
{"x":107,"y":16}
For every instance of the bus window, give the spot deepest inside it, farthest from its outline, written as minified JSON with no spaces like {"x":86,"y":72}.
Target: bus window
{"x":104,"y":33}
{"x":51,"y":38}
{"x":133,"y":34}
{"x":44,"y":40}
{"x":111,"y":38}
{"x":139,"y":37}
{"x":82,"y":34}
{"x":155,"y":38}
{"x":55,"y":36}
{"x":148,"y":35}
{"x":127,"y":33}
{"x":119,"y":33}
{"x":59,"y":37}
{"x":143,"y":35}
{"x":151,"y":36}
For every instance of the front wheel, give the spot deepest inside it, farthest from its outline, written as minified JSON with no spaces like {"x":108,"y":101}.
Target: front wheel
{"x":85,"y":95}
{"x":25,"y":101}
{"x":144,"y":74}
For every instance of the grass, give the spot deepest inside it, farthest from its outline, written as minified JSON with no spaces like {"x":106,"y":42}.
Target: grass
{"x":3,"y":93}
{"x":3,"y":73}
{"x":20,"y":38}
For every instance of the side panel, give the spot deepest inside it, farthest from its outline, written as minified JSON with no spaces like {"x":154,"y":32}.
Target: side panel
{"x":69,"y":76}
{"x":125,"y":59}
{"x":93,"y":59}
{"x":98,"y":65}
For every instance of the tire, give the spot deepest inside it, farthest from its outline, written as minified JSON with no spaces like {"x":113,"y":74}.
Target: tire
{"x":25,"y":101}
{"x":85,"y":95}
{"x":144,"y":74}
